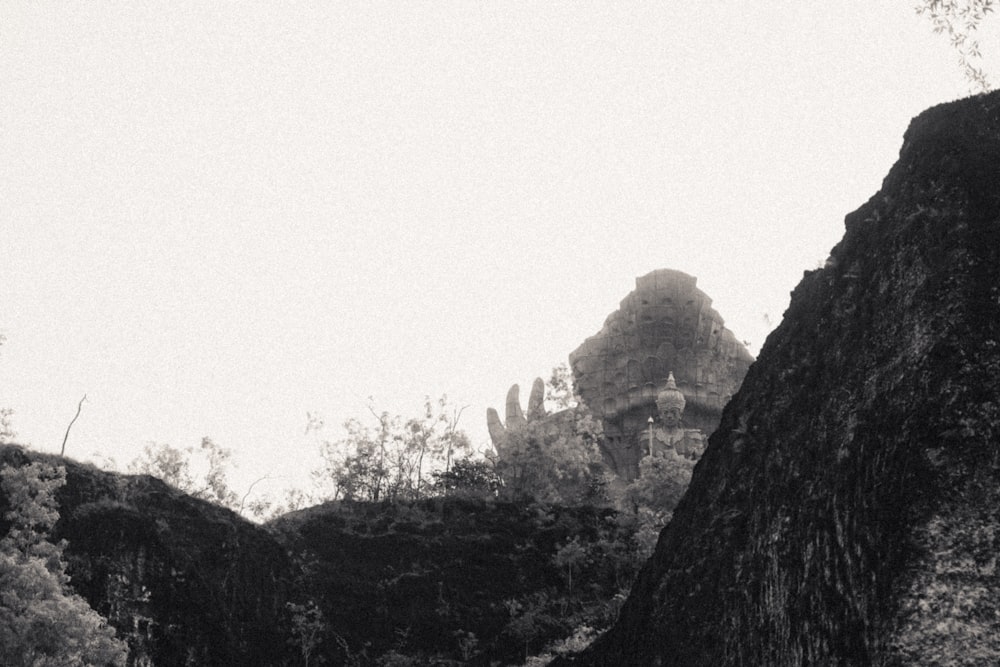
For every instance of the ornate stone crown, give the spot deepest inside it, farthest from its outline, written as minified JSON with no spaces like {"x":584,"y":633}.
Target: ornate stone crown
{"x":671,"y":397}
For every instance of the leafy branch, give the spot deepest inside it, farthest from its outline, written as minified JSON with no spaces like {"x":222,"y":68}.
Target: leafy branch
{"x":959,"y":20}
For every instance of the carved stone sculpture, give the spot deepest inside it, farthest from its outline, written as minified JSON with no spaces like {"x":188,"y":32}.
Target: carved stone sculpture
{"x":669,"y":432}
{"x":665,"y":325}
{"x":515,"y":419}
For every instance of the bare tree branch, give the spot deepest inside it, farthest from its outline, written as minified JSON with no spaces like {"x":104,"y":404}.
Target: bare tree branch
{"x":247,"y":494}
{"x":62,"y":452}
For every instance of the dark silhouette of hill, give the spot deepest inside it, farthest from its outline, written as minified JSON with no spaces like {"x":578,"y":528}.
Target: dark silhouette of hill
{"x":183,"y":581}
{"x":452,"y":580}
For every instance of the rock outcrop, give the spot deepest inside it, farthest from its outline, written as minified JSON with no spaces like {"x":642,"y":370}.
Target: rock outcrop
{"x":666,"y":325}
{"x":182,"y":581}
{"x":845,"y":511}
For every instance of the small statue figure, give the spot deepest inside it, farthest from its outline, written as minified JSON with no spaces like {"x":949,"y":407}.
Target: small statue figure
{"x":670,"y":433}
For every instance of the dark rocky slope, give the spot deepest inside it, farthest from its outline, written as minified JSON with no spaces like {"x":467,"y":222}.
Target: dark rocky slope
{"x":450,"y":580}
{"x":182,"y":581}
{"x":846,"y":511}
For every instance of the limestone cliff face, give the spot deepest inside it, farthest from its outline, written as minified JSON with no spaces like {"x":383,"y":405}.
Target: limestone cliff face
{"x":845,"y":512}
{"x":665,"y":325}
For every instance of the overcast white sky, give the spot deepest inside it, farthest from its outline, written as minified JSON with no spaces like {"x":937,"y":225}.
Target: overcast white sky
{"x":215,"y":217}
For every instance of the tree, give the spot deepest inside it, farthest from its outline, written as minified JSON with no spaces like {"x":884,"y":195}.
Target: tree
{"x":468,"y":477}
{"x":7,"y":433}
{"x":549,"y":457}
{"x":572,"y":556}
{"x":265,"y":507}
{"x":662,"y":481}
{"x":959,"y":20}
{"x":308,"y":628}
{"x":393,"y":459}
{"x":553,"y":461}
{"x":173,"y":466}
{"x":356,"y":464}
{"x":560,"y":393}
{"x":42,"y":622}
{"x":653,"y":496}
{"x":528,"y":617}
{"x":79,"y":408}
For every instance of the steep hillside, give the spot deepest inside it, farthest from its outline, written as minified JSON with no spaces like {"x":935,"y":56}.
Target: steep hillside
{"x":453,"y":581}
{"x":181,"y":580}
{"x":846,"y":510}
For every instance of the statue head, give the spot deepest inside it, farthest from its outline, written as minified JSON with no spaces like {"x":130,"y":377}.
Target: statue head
{"x":670,"y":402}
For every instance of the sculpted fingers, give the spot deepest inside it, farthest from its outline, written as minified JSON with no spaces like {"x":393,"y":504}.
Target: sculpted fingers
{"x":515,"y":417}
{"x":536,"y":402}
{"x":495,"y":426}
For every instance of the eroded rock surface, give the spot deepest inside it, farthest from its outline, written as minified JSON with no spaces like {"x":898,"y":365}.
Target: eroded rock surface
{"x":845,"y":511}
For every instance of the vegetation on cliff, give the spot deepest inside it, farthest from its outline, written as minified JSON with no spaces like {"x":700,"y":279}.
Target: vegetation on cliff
{"x":458,"y":581}
{"x":42,"y":621}
{"x":181,"y":580}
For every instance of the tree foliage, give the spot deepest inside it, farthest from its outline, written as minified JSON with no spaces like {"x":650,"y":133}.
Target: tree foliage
{"x":960,"y":21}
{"x":394,"y":458}
{"x":468,"y":477}
{"x":560,"y":394}
{"x":652,"y":497}
{"x":554,"y":458}
{"x":174,"y":466}
{"x":308,"y":627}
{"x":553,"y":465}
{"x":42,"y":622}
{"x":7,"y":433}
{"x":661,"y":483}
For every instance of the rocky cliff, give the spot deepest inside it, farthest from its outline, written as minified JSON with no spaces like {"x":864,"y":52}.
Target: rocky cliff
{"x":182,"y":581}
{"x":846,"y":510}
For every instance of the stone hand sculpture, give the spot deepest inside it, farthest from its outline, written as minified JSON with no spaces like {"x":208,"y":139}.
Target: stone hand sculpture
{"x":515,"y":419}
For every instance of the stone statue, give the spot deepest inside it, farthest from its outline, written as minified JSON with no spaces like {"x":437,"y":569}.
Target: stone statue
{"x":542,"y":422}
{"x":669,"y":433}
{"x":514,"y":418}
{"x":665,"y":325}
